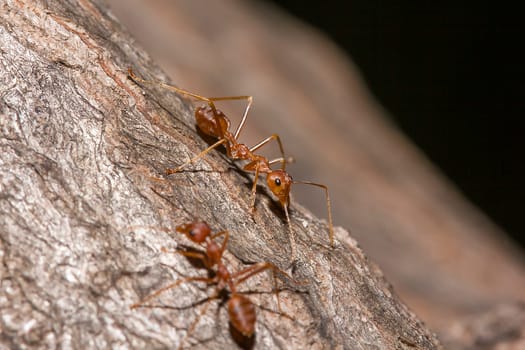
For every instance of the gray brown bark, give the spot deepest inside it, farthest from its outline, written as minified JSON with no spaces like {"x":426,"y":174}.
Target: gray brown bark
{"x":81,"y":213}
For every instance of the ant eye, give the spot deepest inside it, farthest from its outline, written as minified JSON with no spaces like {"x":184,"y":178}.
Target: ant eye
{"x":192,"y":233}
{"x":278,"y":182}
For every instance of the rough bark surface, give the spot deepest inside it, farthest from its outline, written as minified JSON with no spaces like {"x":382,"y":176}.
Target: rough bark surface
{"x":81,"y":213}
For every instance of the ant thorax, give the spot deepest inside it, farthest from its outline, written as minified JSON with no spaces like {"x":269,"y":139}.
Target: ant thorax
{"x":240,"y":151}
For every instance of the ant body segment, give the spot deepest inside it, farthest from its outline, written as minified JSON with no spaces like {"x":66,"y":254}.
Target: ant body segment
{"x":241,"y":310}
{"x":213,"y":122}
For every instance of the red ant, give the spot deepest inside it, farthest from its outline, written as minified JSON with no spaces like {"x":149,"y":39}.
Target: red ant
{"x":212,"y":122}
{"x":241,"y":310}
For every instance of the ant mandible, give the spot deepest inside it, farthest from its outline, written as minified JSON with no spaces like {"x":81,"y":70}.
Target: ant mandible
{"x":213,"y":122}
{"x":241,"y":310}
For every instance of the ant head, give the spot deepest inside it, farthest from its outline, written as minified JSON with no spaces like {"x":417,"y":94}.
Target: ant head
{"x":196,"y":231}
{"x":279,"y":183}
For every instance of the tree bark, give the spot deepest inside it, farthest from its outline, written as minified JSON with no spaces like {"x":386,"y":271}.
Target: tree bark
{"x":83,"y":149}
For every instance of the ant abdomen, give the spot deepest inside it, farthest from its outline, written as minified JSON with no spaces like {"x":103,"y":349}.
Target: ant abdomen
{"x":242,"y":314}
{"x":211,"y":121}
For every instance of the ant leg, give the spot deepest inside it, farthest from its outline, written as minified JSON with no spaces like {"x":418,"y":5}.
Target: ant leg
{"x":171,"y":286}
{"x":292,"y":234}
{"x":208,"y":100}
{"x":146,"y":172}
{"x":244,"y":115}
{"x":149,"y":227}
{"x":167,"y":86}
{"x":188,"y":254}
{"x":170,"y":171}
{"x":192,"y":255}
{"x":328,"y":207}
{"x":248,"y":272}
{"x":164,"y":185}
{"x":222,"y":233}
{"x":226,"y":235}
{"x":268,"y":139}
{"x":254,"y":189}
{"x":191,"y":328}
{"x":282,"y":160}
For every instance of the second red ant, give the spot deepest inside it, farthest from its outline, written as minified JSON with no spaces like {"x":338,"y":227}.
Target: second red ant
{"x":212,"y":122}
{"x":241,"y":310}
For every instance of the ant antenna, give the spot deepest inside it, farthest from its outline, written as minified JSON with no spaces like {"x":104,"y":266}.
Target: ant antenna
{"x":328,"y":207}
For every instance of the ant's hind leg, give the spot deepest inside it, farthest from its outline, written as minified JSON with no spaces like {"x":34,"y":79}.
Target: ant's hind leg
{"x":244,"y":115}
{"x":167,"y":86}
{"x":195,"y":322}
{"x":168,"y":287}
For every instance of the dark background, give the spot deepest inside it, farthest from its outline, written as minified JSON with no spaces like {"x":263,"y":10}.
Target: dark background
{"x":452,"y":76}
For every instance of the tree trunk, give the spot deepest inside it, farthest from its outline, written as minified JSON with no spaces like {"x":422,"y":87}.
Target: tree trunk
{"x":83,"y":203}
